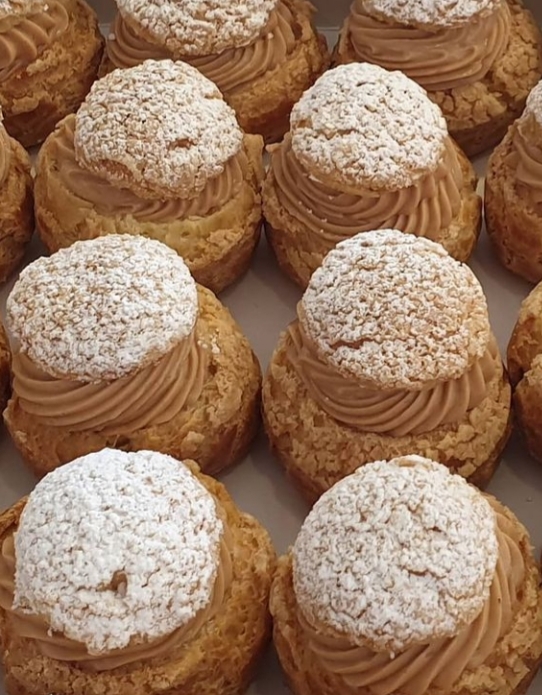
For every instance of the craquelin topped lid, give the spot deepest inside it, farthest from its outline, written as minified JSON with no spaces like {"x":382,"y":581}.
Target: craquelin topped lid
{"x":397,"y":554}
{"x":393,"y":310}
{"x":360,"y":126}
{"x":161,"y":129}
{"x":102,"y":309}
{"x":116,"y":547}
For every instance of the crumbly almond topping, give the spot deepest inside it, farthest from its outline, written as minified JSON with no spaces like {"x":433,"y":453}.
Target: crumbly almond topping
{"x":395,"y":311}
{"x":199,"y":27}
{"x":433,"y":13}
{"x":141,"y":515}
{"x":534,"y":103}
{"x":21,"y":8}
{"x":161,"y":129}
{"x":362,"y":126}
{"x":102,"y":309}
{"x":398,"y":554}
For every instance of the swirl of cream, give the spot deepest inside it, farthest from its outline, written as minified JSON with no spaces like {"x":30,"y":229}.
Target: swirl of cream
{"x":152,"y":396}
{"x":525,"y":158}
{"x":441,"y":663}
{"x":60,"y":648}
{"x":423,"y":209}
{"x":110,"y":200}
{"x":22,"y":41}
{"x":443,"y":59}
{"x":396,"y":412}
{"x":232,"y":69}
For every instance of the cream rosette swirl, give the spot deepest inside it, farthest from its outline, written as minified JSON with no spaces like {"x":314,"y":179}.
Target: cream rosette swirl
{"x":367,"y":149}
{"x":406,"y":579}
{"x":369,"y":347}
{"x":98,"y":592}
{"x":442,"y":45}
{"x":27,"y":29}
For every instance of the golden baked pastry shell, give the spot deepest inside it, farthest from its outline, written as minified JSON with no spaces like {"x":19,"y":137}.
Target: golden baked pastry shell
{"x":216,"y":431}
{"x":35,"y":99}
{"x":478,"y":115}
{"x":299,"y":251}
{"x":217,"y":248}
{"x":317,"y":451}
{"x":220,"y":660}
{"x":509,"y":671}
{"x":513,"y":225}
{"x":16,"y":211}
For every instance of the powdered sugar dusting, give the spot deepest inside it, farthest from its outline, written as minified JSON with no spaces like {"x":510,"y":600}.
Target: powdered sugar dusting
{"x":161,"y":129}
{"x":395,"y":311}
{"x":104,"y":308}
{"x":436,"y":13}
{"x":142,"y":514}
{"x":534,"y":103}
{"x":362,"y":126}
{"x":399,"y":553}
{"x":199,"y":27}
{"x":21,"y":8}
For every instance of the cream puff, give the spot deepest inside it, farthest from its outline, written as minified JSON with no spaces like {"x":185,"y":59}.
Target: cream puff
{"x":367,"y":149}
{"x":391,"y":352}
{"x":477,"y":60}
{"x":404,"y":579}
{"x":50,"y":53}
{"x":114,"y":345}
{"x":262,"y":54}
{"x":155,"y":151}
{"x":132,"y":574}
{"x":525,"y":367}
{"x":16,"y":203}
{"x":513,"y":193}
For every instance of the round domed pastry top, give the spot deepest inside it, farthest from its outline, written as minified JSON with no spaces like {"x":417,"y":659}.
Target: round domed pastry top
{"x":513,"y":193}
{"x":477,"y":60}
{"x":406,"y":579}
{"x":524,"y":357}
{"x":51,"y":53}
{"x":366,"y":149}
{"x":262,"y":54}
{"x":391,"y":352}
{"x":16,"y":202}
{"x":87,"y":597}
{"x":191,"y":179}
{"x":114,"y":345}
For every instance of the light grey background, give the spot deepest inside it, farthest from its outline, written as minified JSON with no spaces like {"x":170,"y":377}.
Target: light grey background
{"x":263,"y":303}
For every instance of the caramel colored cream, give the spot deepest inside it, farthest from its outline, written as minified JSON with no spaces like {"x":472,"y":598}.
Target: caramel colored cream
{"x":440,"y":664}
{"x":439,"y":59}
{"x":150,"y":397}
{"x":108,"y":200}
{"x":24,"y":39}
{"x":57,"y":646}
{"x":5,"y":154}
{"x":424,"y":209}
{"x":230,"y":70}
{"x":394,"y":412}
{"x":525,"y":159}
